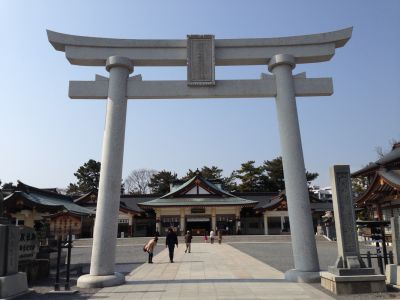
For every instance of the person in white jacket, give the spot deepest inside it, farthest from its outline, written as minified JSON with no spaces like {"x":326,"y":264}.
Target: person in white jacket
{"x":212,"y":236}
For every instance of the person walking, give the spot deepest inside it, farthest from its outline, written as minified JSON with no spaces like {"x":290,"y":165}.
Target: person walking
{"x":170,"y":242}
{"x":149,"y":248}
{"x":212,"y":236}
{"x":219,"y":236}
{"x":188,"y":241}
{"x":205,"y":237}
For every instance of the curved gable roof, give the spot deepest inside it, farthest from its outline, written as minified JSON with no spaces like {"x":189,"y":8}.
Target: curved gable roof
{"x":197,"y":180}
{"x":180,"y":197}
{"x":384,"y":181}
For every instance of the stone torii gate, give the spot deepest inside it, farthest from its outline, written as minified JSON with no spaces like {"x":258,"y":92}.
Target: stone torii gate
{"x":200,"y":54}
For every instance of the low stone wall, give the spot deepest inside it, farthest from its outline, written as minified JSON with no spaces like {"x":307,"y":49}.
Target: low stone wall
{"x":52,"y":257}
{"x":35,"y":269}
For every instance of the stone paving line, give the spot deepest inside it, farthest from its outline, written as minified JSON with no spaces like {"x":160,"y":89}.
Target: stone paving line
{"x":209,"y":272}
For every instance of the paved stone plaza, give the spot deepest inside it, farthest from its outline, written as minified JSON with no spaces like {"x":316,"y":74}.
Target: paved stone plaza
{"x":211,"y":272}
{"x":229,"y":271}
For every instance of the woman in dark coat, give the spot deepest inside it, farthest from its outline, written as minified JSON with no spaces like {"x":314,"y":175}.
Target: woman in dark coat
{"x":170,"y":242}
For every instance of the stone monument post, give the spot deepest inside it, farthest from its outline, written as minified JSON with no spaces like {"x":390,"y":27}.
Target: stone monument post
{"x":303,"y":241}
{"x":349,"y":274}
{"x":392,"y":270}
{"x":3,"y":220}
{"x":346,"y":234}
{"x":395,"y":228}
{"x":1,"y":204}
{"x":105,"y":228}
{"x":12,"y":282}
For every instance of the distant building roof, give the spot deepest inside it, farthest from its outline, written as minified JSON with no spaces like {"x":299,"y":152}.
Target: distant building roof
{"x":391,"y":159}
{"x":31,"y":197}
{"x":279,"y":202}
{"x":132,"y":201}
{"x":127,"y":202}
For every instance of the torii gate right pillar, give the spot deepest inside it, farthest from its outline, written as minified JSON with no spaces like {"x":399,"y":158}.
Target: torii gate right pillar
{"x":303,"y":241}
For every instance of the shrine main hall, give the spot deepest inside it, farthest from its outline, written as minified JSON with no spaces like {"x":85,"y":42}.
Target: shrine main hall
{"x":201,"y":205}
{"x":198,"y":205}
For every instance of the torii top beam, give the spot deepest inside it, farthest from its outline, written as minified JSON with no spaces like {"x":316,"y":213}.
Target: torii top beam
{"x":93,"y":51}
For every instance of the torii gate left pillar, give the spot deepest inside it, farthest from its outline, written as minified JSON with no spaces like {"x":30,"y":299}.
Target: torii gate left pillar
{"x":200,"y":54}
{"x":104,"y":240}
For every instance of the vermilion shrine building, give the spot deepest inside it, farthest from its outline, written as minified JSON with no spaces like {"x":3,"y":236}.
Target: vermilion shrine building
{"x":381,"y":199}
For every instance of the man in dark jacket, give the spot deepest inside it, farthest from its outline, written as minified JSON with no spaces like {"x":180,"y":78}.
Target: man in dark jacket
{"x":170,"y":242}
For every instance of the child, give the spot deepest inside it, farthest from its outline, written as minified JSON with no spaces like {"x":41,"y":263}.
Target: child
{"x":149,"y":248}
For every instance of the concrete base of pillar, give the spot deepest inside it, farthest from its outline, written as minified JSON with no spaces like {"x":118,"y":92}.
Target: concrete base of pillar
{"x":359,"y":284}
{"x":100,"y":281}
{"x":351,"y":272}
{"x":12,"y":286}
{"x":302,"y":276}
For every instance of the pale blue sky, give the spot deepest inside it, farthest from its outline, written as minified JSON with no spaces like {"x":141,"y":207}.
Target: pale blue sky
{"x":45,"y":136}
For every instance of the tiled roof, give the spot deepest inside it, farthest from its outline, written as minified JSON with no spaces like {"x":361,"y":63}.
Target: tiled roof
{"x":177,"y":196}
{"x":385,"y":183}
{"x":268,"y":203}
{"x":392,"y":177}
{"x":272,"y":201}
{"x":126,"y":201}
{"x":209,"y":184}
{"x":371,"y":167}
{"x":133,"y":201}
{"x":47,"y":198}
{"x":392,"y":157}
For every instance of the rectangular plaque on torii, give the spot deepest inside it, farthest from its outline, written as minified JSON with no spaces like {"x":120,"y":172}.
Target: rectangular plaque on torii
{"x":200,"y":60}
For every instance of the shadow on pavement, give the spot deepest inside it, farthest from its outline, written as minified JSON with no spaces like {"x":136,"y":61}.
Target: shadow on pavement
{"x":208,"y":280}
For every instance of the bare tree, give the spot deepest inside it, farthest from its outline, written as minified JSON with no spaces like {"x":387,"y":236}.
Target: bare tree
{"x":381,"y":153}
{"x":138,"y":181}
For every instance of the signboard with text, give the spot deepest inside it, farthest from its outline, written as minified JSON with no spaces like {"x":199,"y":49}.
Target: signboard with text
{"x":28,"y":244}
